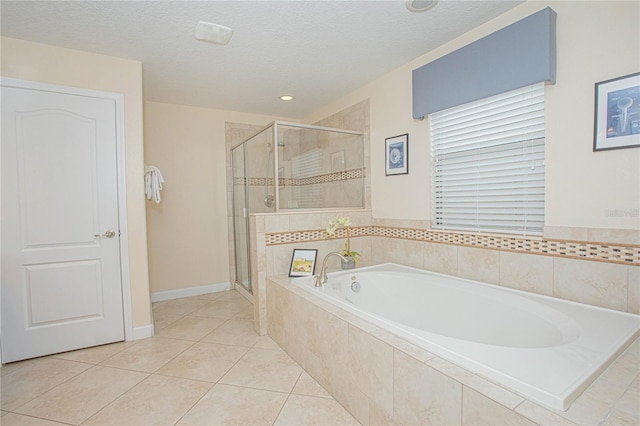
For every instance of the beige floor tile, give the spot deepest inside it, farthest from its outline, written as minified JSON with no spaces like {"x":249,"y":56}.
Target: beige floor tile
{"x":158,"y":400}
{"x":182,"y":306}
{"x":96,"y":354}
{"x":232,"y":405}
{"x":190,"y":328}
{"x":246,"y":313}
{"x":230,"y":295}
{"x":307,"y":385}
{"x":209,"y":296}
{"x":308,"y":410}
{"x":12,"y":419}
{"x":234,"y":332}
{"x":162,"y":320}
{"x":266,"y":342}
{"x":148,"y":355}
{"x":224,"y":309}
{"x":79,"y":398}
{"x":264,"y":369}
{"x":204,"y":361}
{"x":25,"y":380}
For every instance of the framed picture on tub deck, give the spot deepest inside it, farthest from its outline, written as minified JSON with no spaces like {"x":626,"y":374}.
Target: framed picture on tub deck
{"x":617,"y":113}
{"x":397,"y":155}
{"x":303,"y":262}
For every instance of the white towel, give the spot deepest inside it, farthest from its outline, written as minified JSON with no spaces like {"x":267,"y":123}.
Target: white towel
{"x":153,"y":181}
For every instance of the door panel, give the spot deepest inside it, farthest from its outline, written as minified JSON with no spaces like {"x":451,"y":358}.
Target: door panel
{"x":61,"y":278}
{"x":45,"y":281}
{"x":57,"y":168}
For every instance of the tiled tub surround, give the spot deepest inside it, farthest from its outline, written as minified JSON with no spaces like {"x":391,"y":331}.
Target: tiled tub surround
{"x":313,"y":331}
{"x":383,"y":379}
{"x":599,"y":274}
{"x":595,"y":273}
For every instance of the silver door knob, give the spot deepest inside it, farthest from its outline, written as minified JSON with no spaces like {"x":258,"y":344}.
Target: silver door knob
{"x":109,"y":234}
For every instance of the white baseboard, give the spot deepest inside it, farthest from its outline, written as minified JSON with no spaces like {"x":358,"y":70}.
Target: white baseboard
{"x":142,"y":332}
{"x":190,"y":291}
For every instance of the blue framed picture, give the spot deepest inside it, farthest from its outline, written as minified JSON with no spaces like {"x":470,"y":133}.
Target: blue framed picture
{"x":617,"y":113}
{"x":397,"y":155}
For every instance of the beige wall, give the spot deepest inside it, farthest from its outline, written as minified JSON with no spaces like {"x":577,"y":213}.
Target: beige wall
{"x":596,"y":41}
{"x":188,"y":230}
{"x":54,"y":65}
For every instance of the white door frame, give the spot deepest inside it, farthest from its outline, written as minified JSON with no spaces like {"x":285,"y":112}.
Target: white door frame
{"x":118,"y":98}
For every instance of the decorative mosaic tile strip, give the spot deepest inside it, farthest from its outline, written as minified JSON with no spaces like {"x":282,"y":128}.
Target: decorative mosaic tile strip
{"x":277,"y":238}
{"x":611,"y":253}
{"x":254,"y":181}
{"x":330,"y":177}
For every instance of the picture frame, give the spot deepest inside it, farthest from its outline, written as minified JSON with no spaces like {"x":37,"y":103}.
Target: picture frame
{"x":337,"y":162}
{"x":303,"y":262}
{"x":396,"y":157}
{"x":617,"y":113}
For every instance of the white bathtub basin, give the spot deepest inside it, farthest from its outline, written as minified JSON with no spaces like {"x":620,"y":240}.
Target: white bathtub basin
{"x":548,"y":350}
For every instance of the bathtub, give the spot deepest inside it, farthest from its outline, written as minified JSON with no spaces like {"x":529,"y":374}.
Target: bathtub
{"x":548,"y":350}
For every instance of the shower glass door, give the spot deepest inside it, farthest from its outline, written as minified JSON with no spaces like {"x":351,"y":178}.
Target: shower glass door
{"x":240,"y":218}
{"x":253,"y":192}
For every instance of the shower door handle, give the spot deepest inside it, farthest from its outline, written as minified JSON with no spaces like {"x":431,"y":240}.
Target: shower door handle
{"x":245,"y":212}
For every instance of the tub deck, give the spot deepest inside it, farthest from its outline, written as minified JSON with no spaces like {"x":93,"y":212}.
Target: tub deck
{"x":381,"y":377}
{"x":547,"y":349}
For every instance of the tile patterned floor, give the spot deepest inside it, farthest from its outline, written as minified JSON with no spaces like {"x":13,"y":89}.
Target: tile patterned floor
{"x":205,"y":366}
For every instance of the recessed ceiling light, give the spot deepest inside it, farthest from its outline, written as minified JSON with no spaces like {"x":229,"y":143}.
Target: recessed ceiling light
{"x":286,"y":98}
{"x":213,"y":33}
{"x":420,"y":5}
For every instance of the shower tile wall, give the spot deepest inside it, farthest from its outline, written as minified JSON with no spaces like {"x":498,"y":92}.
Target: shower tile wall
{"x":357,"y":118}
{"x":354,"y":118}
{"x":345,"y":190}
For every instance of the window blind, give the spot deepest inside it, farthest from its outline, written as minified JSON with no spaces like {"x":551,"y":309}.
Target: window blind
{"x":488,"y":164}
{"x":307,"y":165}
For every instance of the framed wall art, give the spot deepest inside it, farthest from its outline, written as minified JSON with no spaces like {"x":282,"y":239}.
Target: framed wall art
{"x":617,"y":113}
{"x":303,"y":262}
{"x":397,"y":155}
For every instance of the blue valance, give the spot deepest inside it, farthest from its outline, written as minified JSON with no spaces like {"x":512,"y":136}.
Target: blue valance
{"x":516,"y":56}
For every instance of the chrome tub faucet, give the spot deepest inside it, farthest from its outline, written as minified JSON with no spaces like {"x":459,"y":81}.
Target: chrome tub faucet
{"x":322,"y":278}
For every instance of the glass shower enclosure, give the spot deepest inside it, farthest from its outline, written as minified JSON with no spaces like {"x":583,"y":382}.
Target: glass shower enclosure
{"x":293,"y":167}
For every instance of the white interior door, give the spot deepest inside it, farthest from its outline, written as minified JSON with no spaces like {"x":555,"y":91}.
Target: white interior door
{"x":61,"y":272}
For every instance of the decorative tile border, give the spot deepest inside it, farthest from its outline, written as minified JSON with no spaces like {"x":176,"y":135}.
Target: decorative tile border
{"x":602,"y":252}
{"x":330,"y":177}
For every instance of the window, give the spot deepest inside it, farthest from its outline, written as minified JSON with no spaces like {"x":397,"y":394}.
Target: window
{"x":307,"y":166}
{"x":488,"y":164}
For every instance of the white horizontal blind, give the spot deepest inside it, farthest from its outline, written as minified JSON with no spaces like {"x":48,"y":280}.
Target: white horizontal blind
{"x":307,"y":165}
{"x":488,"y":164}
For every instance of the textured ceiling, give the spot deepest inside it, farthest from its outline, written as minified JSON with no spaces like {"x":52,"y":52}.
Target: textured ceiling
{"x":317,"y":51}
